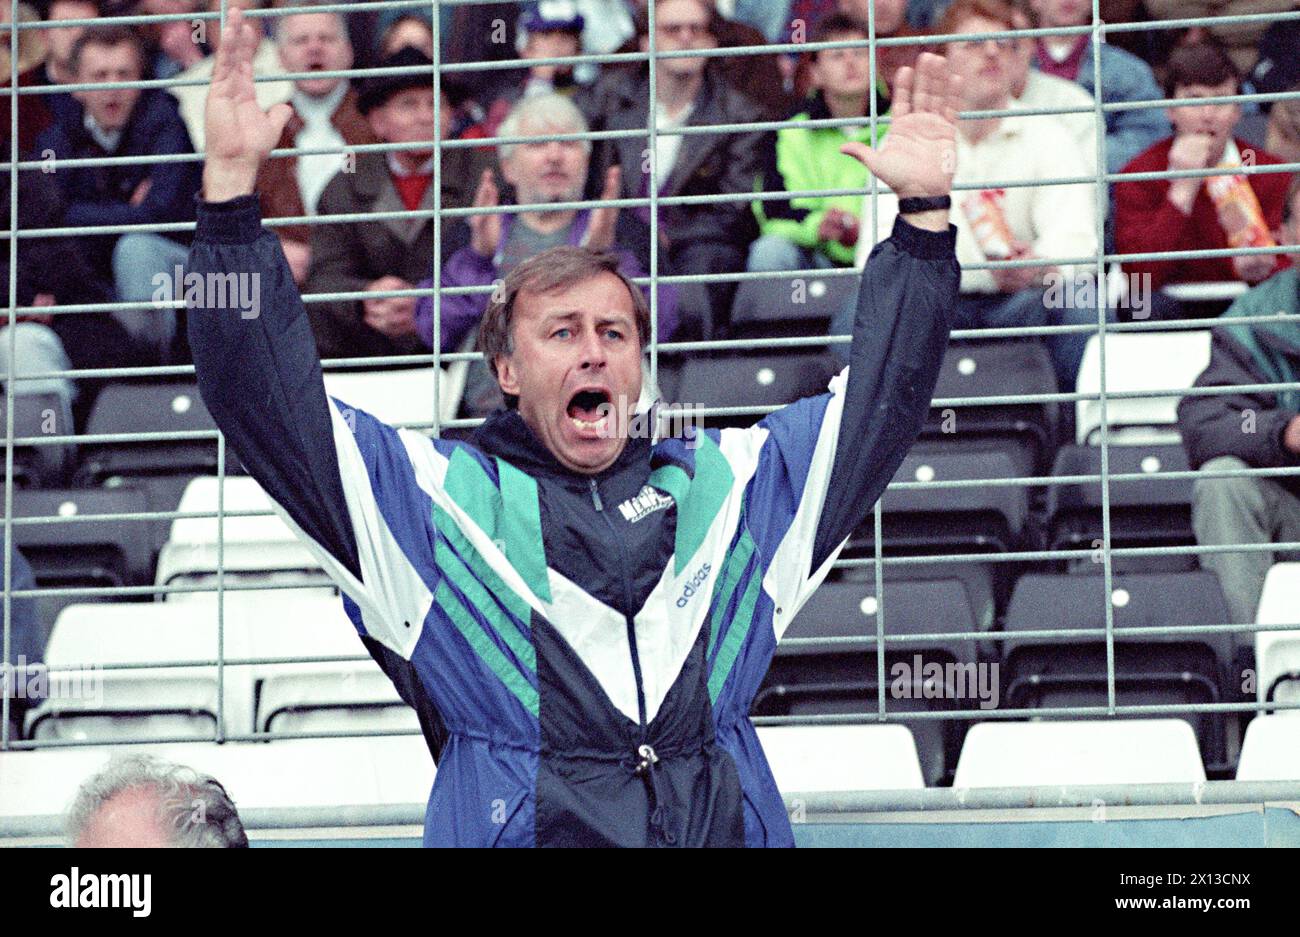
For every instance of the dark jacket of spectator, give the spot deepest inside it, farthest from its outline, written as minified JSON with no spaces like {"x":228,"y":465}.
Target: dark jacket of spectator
{"x":101,"y":195}
{"x":27,"y":638}
{"x":466,"y":267}
{"x":347,"y":257}
{"x":707,"y":164}
{"x":1267,"y":353}
{"x":1146,"y":221}
{"x":277,"y":181}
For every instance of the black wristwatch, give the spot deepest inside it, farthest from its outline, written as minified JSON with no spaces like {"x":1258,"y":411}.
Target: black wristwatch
{"x":910,"y":206}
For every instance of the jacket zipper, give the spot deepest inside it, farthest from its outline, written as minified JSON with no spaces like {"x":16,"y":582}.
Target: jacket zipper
{"x":645,"y":753}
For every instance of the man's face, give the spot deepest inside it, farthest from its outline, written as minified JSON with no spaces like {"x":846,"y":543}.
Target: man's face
{"x":407,"y":117}
{"x":576,"y":366}
{"x":681,"y":25}
{"x":314,"y":42}
{"x":987,"y":66}
{"x":551,"y":44}
{"x":60,"y":40}
{"x":1054,"y":13}
{"x":110,"y":107}
{"x":1217,"y":120}
{"x":127,"y":820}
{"x":890,"y":14}
{"x":842,"y":72}
{"x":547,"y":171}
{"x":409,"y":32}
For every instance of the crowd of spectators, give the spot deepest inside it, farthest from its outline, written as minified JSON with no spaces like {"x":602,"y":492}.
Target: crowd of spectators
{"x":1012,"y":205}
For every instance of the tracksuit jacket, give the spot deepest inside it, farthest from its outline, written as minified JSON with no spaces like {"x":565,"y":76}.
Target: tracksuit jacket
{"x":582,"y":651}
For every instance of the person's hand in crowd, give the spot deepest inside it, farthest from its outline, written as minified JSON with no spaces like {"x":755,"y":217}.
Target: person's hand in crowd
{"x":393,"y":316}
{"x":485,"y":230}
{"x":298,"y":254}
{"x":604,"y":220}
{"x":839,"y":226}
{"x":239,"y":133}
{"x":1291,"y":436}
{"x":40,"y":299}
{"x":141,"y":192}
{"x":917,"y":158}
{"x":1190,"y":151}
{"x":1253,"y":268}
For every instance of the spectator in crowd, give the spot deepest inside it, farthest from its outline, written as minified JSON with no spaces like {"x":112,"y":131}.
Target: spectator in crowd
{"x":1249,"y":429}
{"x":550,"y":31}
{"x":175,"y":44}
{"x":26,"y":636}
{"x":60,"y":40}
{"x":1283,"y":139}
{"x":34,"y":113}
{"x":325,"y":115}
{"x":1124,"y":78}
{"x":1018,"y":223}
{"x":1278,"y":70}
{"x":694,"y":239}
{"x":409,"y":29}
{"x":483,"y":33}
{"x":265,"y":62}
{"x":1034,"y":89}
{"x":54,"y":271}
{"x":1181,"y":214}
{"x":818,"y":231}
{"x":390,"y":253}
{"x":126,"y":122}
{"x":140,"y":801}
{"x":891,"y":23}
{"x":541,"y":174}
{"x":1241,"y":40}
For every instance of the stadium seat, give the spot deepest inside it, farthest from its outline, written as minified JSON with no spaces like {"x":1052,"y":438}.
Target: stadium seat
{"x":171,"y":407}
{"x":37,"y":415}
{"x":325,"y":695}
{"x":1105,"y":751}
{"x":790,"y":306}
{"x":253,"y":546}
{"x":85,"y":553}
{"x":998,"y":369}
{"x":1135,"y":361}
{"x":752,"y":381}
{"x":400,"y":396}
{"x":1277,"y":653}
{"x":138,"y":702}
{"x":1149,"y":669}
{"x":841,"y":676}
{"x":1271,"y":750}
{"x":1151,"y":511}
{"x":808,"y":759}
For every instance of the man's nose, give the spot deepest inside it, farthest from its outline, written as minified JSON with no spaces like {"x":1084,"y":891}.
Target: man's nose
{"x":593,"y":351}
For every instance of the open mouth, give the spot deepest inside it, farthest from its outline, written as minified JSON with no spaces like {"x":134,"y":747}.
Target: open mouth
{"x":588,"y":410}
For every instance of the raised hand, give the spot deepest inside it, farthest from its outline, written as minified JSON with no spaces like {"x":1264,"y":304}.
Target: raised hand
{"x":604,"y":220}
{"x":239,"y":133}
{"x":917,"y":158}
{"x":485,"y":230}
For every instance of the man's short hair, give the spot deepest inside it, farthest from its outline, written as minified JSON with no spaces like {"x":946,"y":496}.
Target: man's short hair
{"x":193,"y":808}
{"x":1202,"y":63}
{"x":997,"y":10}
{"x":554,"y":269}
{"x":109,"y":37}
{"x":835,"y":25}
{"x":545,"y":110}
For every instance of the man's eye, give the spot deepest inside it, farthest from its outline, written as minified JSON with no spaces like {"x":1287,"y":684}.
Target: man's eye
{"x":614,"y":333}
{"x":560,"y":333}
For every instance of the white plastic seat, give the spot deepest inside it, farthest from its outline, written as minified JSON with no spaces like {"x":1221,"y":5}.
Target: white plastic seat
{"x":1277,"y":653}
{"x":1079,"y":752}
{"x":1136,"y":361}
{"x":1270,"y":750}
{"x":87,"y":702}
{"x":401,"y":396}
{"x":812,"y":758}
{"x":251,"y":545}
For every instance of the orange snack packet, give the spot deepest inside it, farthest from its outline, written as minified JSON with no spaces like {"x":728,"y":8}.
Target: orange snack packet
{"x":988,"y":223}
{"x":1239,"y":212}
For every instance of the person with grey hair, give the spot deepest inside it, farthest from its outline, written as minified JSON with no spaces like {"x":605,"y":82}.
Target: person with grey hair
{"x":141,"y":801}
{"x":542,"y":173}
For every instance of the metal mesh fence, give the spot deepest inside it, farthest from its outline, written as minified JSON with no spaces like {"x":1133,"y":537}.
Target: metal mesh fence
{"x":877,"y":561}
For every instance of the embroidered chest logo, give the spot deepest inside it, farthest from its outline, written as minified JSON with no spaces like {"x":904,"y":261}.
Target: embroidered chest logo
{"x":644,"y":503}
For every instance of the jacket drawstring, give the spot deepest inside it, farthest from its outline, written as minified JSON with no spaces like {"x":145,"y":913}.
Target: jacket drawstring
{"x":659,"y":819}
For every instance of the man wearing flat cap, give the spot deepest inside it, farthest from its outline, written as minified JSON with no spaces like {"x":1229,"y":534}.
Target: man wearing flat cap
{"x":397,"y":252}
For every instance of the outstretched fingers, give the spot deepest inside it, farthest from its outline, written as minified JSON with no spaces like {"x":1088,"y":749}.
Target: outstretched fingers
{"x":901,"y":103}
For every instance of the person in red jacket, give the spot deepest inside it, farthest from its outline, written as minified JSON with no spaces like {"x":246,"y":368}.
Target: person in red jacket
{"x":1180,"y":214}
